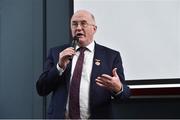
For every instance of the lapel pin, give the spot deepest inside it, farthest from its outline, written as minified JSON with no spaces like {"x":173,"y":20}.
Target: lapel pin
{"x":97,"y":62}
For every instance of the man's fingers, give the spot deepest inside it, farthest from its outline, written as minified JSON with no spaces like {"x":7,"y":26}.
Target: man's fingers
{"x":100,"y":83}
{"x":104,"y":84}
{"x":103,"y":81}
{"x":65,"y":55}
{"x":105,"y":76}
{"x":107,"y":81}
{"x":114,"y":72}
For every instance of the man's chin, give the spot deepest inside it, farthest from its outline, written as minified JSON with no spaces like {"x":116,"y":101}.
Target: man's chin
{"x":82,"y":40}
{"x":82,"y":43}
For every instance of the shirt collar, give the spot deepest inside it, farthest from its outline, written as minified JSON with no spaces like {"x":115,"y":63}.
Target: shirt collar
{"x":90,"y":47}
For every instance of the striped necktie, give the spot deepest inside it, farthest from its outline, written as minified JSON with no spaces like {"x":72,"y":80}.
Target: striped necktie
{"x":74,"y":108}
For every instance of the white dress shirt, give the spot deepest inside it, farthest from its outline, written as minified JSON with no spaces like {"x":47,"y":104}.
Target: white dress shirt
{"x":85,"y":79}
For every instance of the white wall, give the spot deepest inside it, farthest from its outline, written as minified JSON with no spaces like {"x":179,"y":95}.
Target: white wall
{"x":146,"y":32}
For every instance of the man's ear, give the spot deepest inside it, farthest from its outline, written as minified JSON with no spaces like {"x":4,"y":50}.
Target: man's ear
{"x":95,"y":28}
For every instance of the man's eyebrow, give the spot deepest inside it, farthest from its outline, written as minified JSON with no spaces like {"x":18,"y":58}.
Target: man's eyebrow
{"x":79,"y":21}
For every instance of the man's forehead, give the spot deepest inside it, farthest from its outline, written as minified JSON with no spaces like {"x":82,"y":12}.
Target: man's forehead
{"x":81,"y":17}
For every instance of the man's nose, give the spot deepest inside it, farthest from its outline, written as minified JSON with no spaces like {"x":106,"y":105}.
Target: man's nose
{"x":79,"y":26}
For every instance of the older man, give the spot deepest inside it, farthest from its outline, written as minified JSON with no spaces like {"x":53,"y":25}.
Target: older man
{"x":84,"y":86}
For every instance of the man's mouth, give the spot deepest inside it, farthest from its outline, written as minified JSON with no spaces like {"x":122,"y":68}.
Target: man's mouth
{"x":79,"y":35}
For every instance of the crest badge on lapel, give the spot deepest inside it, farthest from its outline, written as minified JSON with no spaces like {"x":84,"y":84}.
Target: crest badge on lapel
{"x":97,"y":62}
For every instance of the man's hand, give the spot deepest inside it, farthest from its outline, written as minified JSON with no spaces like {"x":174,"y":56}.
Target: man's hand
{"x":112,"y":83}
{"x":64,"y":57}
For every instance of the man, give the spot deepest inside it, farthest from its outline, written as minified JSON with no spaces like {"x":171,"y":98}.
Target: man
{"x":101,"y":80}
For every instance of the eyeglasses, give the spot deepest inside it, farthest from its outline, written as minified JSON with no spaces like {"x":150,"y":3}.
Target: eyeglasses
{"x":83,"y":24}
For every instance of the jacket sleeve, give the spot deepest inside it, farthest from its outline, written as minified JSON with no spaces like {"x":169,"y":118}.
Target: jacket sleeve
{"x":120,"y":70}
{"x":49,"y":79}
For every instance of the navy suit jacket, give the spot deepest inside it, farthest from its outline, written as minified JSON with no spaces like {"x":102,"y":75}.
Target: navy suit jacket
{"x":100,"y":99}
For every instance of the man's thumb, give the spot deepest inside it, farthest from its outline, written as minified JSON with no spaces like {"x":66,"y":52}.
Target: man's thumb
{"x":114,"y":73}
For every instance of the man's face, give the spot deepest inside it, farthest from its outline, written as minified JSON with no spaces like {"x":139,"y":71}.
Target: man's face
{"x":83,"y":26}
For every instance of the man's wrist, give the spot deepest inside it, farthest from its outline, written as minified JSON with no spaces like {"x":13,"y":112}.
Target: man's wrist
{"x":119,"y":91}
{"x":59,"y":64}
{"x":60,"y":69}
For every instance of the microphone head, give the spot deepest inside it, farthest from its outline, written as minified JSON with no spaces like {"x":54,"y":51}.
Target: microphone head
{"x":75,"y":42}
{"x":76,"y":38}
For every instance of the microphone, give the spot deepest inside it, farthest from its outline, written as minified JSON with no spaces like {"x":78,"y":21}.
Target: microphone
{"x":75,"y":42}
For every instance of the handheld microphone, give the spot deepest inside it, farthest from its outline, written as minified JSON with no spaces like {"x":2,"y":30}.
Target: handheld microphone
{"x":75,"y":42}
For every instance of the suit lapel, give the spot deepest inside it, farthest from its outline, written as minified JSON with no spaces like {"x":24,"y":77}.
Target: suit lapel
{"x":96,"y":71}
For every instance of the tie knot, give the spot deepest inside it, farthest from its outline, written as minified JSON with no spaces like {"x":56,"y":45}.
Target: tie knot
{"x":82,"y":49}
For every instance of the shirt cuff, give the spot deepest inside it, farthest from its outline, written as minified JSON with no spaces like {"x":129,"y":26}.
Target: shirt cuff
{"x":59,"y":69}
